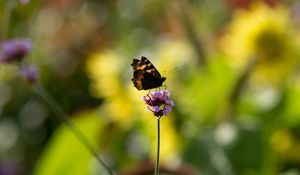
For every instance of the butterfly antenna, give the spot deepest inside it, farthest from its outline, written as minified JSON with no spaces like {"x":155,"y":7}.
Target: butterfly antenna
{"x":174,"y":69}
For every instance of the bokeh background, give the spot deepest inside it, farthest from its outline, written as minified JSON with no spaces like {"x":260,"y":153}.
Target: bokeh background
{"x":232,"y":68}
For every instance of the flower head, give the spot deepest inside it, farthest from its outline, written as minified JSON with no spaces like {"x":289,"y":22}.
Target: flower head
{"x":24,"y":2}
{"x":29,"y":73}
{"x":14,"y":50}
{"x":265,"y":33}
{"x":159,"y":102}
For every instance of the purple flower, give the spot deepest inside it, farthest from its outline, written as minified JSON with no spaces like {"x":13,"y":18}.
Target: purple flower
{"x":14,"y":50}
{"x":8,"y":168}
{"x":24,"y":2}
{"x":29,"y":72}
{"x":159,"y":103}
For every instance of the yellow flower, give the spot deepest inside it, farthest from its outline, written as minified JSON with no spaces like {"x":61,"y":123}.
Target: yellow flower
{"x":104,"y":69}
{"x":174,"y":53}
{"x":284,"y":144}
{"x":282,"y":141}
{"x":265,"y":33}
{"x":8,"y":71}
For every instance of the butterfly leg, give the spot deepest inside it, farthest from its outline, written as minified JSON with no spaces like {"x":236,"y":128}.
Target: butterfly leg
{"x":164,"y":86}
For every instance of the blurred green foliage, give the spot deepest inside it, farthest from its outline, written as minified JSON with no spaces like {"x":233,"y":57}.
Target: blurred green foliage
{"x":233,"y":114}
{"x":64,"y":154}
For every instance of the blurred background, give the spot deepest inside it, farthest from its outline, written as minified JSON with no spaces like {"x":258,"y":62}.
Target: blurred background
{"x":232,"y":68}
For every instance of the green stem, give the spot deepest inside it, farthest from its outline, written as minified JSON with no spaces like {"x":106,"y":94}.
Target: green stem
{"x":191,"y":33}
{"x":40,"y":91}
{"x":158,"y":147}
{"x":239,"y":87}
{"x":10,"y":5}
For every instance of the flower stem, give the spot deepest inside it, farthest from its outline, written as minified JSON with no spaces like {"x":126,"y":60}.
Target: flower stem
{"x":40,"y":91}
{"x":10,"y":5}
{"x":191,"y":33}
{"x":240,"y":86}
{"x":158,"y":147}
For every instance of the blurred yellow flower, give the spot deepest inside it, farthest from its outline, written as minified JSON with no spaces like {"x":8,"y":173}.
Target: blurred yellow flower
{"x":265,"y":33}
{"x":174,"y":53}
{"x":282,"y":141}
{"x":104,"y":69}
{"x":8,"y":71}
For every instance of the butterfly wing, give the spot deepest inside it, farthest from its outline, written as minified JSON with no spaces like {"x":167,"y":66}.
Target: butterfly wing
{"x":145,"y":75}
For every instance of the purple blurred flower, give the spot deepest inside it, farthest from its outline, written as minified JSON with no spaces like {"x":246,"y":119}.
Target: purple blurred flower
{"x":29,"y":72}
{"x":24,"y":2}
{"x":159,"y":103}
{"x":14,"y":50}
{"x":8,"y":168}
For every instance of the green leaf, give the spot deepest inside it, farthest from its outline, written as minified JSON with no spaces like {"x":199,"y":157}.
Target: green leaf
{"x":64,"y":154}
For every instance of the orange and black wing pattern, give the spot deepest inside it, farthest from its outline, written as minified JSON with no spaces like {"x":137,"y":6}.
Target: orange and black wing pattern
{"x":145,"y":75}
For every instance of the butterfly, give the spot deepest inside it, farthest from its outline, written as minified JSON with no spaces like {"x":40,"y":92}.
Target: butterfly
{"x":145,"y":75}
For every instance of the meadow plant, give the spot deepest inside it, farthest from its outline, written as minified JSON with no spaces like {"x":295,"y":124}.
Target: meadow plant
{"x":160,"y":104}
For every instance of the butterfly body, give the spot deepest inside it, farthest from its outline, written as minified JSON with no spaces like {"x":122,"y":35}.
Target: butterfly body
{"x":145,"y":75}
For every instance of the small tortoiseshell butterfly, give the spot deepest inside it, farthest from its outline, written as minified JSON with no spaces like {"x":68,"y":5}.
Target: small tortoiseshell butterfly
{"x":145,"y":75}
